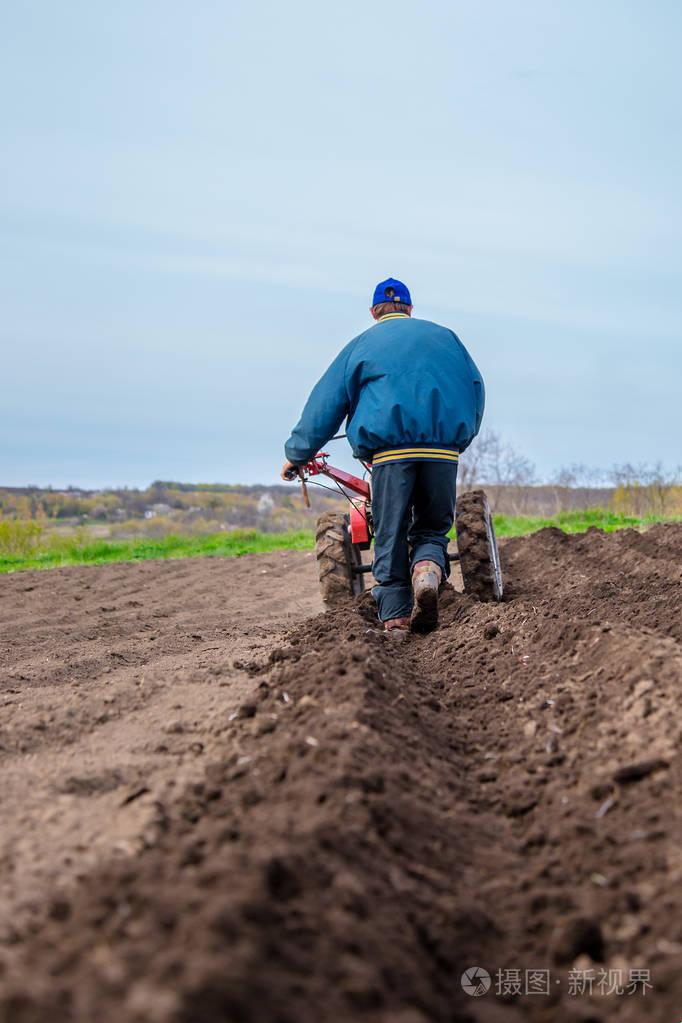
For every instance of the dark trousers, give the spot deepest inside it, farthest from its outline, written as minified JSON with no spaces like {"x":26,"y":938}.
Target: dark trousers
{"x":413,"y":507}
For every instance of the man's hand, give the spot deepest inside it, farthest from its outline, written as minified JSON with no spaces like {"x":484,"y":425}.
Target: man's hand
{"x":289,"y":471}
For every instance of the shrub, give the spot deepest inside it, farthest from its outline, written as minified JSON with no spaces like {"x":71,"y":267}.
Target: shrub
{"x":19,"y":537}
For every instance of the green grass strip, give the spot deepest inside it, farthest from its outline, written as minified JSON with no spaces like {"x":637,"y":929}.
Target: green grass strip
{"x":55,"y":552}
{"x":574,"y":522}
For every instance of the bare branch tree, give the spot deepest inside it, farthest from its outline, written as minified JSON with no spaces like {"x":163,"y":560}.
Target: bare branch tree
{"x":490,"y":461}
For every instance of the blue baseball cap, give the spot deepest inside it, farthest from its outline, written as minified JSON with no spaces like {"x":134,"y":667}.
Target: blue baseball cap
{"x":391,"y":291}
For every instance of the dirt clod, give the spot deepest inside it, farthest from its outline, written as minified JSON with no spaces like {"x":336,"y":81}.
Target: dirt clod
{"x":635,"y":772}
{"x":578,"y":936}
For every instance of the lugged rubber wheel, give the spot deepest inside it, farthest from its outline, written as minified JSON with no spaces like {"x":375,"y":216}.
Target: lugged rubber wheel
{"x":336,"y":555}
{"x":479,"y":558}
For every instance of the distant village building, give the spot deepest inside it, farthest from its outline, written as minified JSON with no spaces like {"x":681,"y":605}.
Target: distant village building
{"x":157,"y":509}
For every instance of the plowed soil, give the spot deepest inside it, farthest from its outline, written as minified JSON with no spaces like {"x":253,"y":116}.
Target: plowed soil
{"x":219,"y":804}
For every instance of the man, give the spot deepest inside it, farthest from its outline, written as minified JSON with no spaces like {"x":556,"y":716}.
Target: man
{"x":414,"y":401}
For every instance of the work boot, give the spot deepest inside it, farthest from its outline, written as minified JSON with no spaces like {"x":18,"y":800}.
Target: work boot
{"x":426,"y":580}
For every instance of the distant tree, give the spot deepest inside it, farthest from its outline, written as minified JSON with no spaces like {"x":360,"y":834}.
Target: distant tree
{"x":580,"y":475}
{"x":491,"y":461}
{"x":646,"y":489}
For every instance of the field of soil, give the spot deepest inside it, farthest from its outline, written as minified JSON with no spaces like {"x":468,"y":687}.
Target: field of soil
{"x":220,"y":805}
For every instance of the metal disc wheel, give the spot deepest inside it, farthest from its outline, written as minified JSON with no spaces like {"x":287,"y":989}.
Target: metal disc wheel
{"x":479,"y":557}
{"x":336,"y":556}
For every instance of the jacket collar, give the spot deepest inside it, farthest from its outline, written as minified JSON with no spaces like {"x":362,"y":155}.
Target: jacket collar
{"x":393,"y":316}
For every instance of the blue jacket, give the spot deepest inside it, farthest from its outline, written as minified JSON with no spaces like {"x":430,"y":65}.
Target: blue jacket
{"x":405,"y":385}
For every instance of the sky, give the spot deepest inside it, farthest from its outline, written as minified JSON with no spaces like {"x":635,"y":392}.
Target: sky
{"x":197,"y":200}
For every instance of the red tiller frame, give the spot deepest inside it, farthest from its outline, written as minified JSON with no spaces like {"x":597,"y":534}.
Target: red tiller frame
{"x":360,"y":529}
